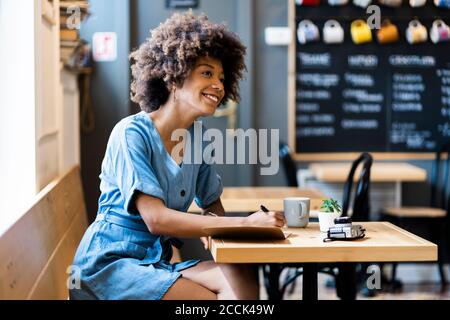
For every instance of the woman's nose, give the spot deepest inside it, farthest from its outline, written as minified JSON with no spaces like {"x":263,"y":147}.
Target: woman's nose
{"x":218,"y":86}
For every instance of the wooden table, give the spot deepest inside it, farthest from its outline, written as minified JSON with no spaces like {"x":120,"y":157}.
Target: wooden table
{"x":384,"y":242}
{"x":396,"y":172}
{"x":248,"y":199}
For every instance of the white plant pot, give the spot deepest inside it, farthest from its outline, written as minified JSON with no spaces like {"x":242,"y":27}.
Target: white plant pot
{"x":326,"y":220}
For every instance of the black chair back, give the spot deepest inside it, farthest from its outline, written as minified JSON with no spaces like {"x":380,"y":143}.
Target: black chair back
{"x":439,"y":183}
{"x":290,"y":169}
{"x":361,"y":205}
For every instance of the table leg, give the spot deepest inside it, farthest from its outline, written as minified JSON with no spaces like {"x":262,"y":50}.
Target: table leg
{"x":310,"y":291}
{"x":346,"y":282}
{"x":272,"y":281}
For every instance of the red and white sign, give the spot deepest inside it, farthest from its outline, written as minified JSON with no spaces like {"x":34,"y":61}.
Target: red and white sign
{"x":104,"y":46}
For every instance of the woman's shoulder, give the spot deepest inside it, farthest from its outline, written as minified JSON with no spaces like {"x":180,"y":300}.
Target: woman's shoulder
{"x":138,"y":123}
{"x":135,"y":128}
{"x":138,"y":120}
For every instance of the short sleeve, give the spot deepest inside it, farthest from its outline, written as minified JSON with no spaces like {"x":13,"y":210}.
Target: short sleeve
{"x":208,"y":187}
{"x":134,"y":170}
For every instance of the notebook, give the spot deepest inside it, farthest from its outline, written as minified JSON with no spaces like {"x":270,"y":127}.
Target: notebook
{"x":239,"y":232}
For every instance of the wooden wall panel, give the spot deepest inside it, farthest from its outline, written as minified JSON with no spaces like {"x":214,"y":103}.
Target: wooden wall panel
{"x":41,"y":245}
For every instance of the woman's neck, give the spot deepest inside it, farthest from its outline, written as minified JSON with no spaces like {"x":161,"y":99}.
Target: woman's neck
{"x":169,"y":118}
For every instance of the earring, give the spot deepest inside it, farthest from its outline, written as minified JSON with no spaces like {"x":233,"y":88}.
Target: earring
{"x":174,"y":97}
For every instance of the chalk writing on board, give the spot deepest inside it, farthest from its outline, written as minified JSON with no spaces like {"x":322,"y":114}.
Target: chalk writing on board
{"x":407,"y":107}
{"x":444,"y":75}
{"x":316,"y":119}
{"x":365,"y":61}
{"x":413,"y":139}
{"x":444,"y":129}
{"x":308,"y":107}
{"x":314,"y":94}
{"x":362,"y":95}
{"x":364,"y":124}
{"x":412,"y":60}
{"x":359,"y":80}
{"x":319,"y":80}
{"x":407,"y":92}
{"x":445,"y":90}
{"x":409,"y":87}
{"x":406,"y":96}
{"x":361,"y":108}
{"x":445,"y":112}
{"x":311,"y":60}
{"x":316,"y":131}
{"x":407,"y":133}
{"x":407,"y":77}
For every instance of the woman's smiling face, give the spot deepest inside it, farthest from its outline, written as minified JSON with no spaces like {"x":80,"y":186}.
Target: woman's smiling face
{"x":203,"y":89}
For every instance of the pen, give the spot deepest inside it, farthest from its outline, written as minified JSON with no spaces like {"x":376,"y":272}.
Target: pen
{"x":264,"y":209}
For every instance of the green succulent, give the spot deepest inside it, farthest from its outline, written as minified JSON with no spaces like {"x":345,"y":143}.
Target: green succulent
{"x":330,"y":205}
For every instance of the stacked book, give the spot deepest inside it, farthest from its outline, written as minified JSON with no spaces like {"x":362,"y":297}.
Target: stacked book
{"x":74,"y":50}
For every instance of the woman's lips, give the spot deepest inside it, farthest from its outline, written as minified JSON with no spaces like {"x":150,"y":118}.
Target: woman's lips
{"x":211,"y":97}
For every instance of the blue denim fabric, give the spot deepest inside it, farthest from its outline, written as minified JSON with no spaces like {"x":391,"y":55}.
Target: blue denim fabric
{"x":118,"y":256}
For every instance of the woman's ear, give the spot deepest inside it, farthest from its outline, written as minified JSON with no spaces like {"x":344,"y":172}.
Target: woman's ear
{"x":170,"y":86}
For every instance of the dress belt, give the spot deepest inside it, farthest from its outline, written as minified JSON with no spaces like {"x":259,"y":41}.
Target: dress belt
{"x":131,"y":222}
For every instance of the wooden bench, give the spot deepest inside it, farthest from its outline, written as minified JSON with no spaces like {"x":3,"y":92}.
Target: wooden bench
{"x":36,"y":252}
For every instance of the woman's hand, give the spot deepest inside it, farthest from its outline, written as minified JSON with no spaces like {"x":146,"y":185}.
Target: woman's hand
{"x":266,"y":219}
{"x":205,"y":241}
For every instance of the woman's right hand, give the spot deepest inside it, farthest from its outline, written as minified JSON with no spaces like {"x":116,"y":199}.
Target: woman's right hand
{"x":266,"y":219}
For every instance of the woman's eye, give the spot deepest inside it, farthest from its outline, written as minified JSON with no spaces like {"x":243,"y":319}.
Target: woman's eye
{"x":222,"y":80}
{"x":207,"y":73}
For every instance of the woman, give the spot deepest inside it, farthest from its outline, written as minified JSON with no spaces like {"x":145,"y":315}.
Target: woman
{"x":185,"y":70}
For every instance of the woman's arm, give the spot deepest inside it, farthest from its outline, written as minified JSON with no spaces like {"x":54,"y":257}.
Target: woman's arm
{"x":164,"y":221}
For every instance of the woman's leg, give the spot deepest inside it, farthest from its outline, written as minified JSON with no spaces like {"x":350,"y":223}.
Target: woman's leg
{"x":184,"y":289}
{"x":228,"y":281}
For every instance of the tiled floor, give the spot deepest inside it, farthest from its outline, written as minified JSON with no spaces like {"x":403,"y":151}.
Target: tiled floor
{"x":425,"y":291}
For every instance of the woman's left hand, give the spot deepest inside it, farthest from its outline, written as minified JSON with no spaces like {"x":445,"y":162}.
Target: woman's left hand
{"x":205,"y":241}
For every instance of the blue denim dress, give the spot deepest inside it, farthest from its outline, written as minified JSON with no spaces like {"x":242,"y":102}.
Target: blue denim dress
{"x":118,"y":256}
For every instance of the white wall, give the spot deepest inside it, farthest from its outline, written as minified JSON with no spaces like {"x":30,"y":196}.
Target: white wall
{"x":48,"y":98}
{"x":70,"y":126}
{"x":39,"y":137}
{"x":17,"y":107}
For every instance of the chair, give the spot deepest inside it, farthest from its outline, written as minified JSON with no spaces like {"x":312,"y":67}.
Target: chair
{"x":290,"y":169}
{"x":361,"y":211}
{"x":346,"y":280}
{"x":361,"y":204}
{"x":361,"y":208}
{"x":434,"y":217}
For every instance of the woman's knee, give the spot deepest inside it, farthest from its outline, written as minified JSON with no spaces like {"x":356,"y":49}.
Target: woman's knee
{"x":184,"y":289}
{"x":246,"y":272}
{"x":228,"y":281}
{"x":242,"y":280}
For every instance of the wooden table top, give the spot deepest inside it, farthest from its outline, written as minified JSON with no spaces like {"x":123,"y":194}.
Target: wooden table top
{"x":248,"y":199}
{"x":379,"y":172}
{"x":383,"y":242}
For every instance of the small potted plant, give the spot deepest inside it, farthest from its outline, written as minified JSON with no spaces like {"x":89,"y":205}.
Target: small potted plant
{"x":329,"y":211}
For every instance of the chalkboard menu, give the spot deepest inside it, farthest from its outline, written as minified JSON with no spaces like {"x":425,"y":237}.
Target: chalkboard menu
{"x":392,"y":98}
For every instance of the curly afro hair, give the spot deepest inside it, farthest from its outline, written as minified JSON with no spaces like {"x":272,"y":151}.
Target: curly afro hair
{"x":170,"y":53}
